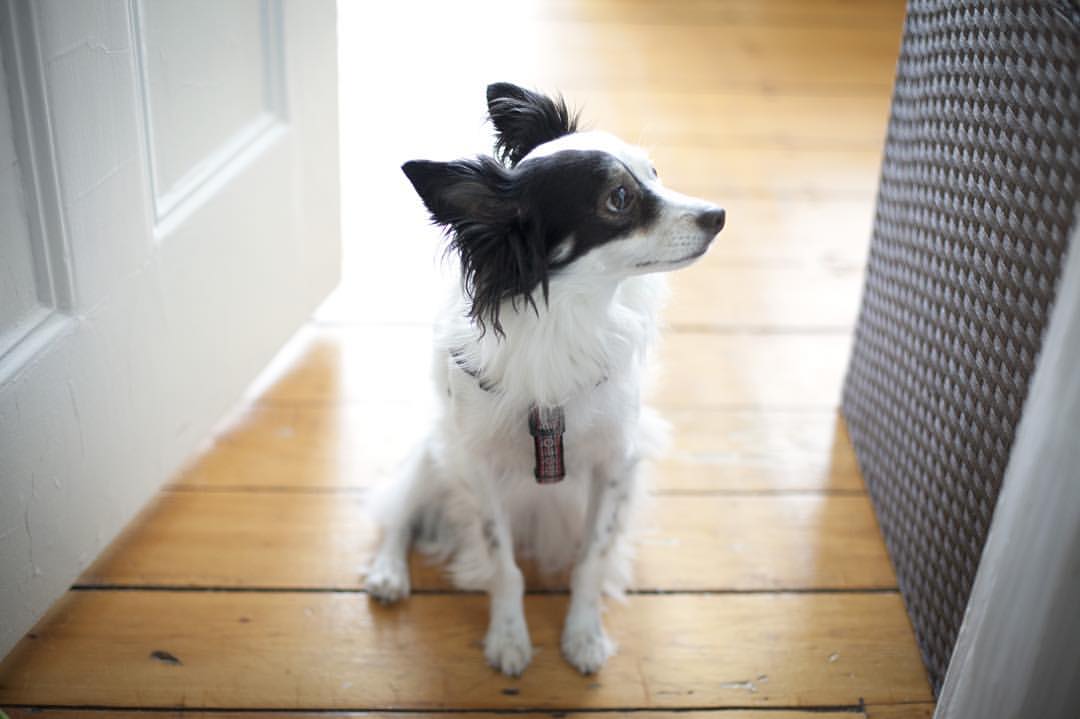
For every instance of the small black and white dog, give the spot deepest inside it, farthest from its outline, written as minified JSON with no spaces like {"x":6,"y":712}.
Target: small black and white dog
{"x":539,"y":364}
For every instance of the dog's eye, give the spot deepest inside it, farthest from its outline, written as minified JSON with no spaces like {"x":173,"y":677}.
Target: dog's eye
{"x":619,"y":199}
{"x":655,"y":174}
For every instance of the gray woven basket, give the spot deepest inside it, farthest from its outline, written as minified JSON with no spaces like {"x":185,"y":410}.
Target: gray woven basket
{"x":977,"y":196}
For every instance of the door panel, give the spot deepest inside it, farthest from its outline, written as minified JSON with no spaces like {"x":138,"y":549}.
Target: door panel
{"x":212,"y":86}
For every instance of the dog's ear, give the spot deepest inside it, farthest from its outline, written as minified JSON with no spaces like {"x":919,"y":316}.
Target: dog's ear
{"x":524,"y":120}
{"x":476,"y":202}
{"x":463,"y":192}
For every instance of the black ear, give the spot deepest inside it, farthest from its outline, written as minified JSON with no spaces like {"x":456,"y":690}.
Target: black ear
{"x":524,"y":120}
{"x":463,"y":192}
{"x":477,"y":202}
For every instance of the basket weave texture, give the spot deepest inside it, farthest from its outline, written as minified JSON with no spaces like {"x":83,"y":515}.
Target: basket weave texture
{"x":977,"y":196}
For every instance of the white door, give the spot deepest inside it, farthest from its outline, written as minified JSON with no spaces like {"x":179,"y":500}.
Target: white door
{"x":169,"y":200}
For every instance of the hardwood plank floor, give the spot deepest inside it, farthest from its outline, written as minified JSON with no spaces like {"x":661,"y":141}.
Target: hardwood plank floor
{"x":917,"y":710}
{"x":348,"y":446}
{"x":774,"y":58}
{"x":731,"y":298}
{"x":896,"y":711}
{"x":729,"y":13}
{"x":770,"y":171}
{"x":332,"y":650}
{"x":748,"y":119}
{"x":763,"y":589}
{"x":688,"y":543}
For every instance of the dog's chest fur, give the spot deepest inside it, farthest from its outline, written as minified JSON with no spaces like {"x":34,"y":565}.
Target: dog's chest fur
{"x":583,"y":351}
{"x":581,"y":347}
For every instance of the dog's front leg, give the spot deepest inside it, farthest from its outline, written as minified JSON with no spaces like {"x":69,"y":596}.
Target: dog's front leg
{"x":585,"y":644}
{"x":507,"y":646}
{"x":387,"y":577}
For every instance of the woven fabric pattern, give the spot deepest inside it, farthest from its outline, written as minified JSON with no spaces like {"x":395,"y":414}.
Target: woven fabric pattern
{"x":977,"y":196}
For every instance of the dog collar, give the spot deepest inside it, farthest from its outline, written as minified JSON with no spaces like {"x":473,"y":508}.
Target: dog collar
{"x":546,"y":425}
{"x":458,"y":355}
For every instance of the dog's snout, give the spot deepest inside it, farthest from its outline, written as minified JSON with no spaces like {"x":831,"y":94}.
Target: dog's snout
{"x":711,"y":220}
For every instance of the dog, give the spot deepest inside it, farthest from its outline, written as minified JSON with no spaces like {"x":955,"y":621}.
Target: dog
{"x":539,"y":361}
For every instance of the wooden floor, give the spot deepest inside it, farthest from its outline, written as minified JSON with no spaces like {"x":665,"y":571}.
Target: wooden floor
{"x":763,"y":590}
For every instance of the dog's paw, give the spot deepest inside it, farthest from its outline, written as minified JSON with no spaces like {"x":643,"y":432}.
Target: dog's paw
{"x":387,"y":580}
{"x":507,"y":646}
{"x":586,"y":648}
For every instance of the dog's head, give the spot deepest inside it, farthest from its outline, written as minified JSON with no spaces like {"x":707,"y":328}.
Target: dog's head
{"x":557,"y":202}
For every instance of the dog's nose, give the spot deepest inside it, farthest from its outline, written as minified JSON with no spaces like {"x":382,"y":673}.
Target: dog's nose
{"x":711,"y":220}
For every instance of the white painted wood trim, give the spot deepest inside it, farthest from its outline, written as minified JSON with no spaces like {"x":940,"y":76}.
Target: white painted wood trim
{"x":1018,"y":651}
{"x":32,"y":128}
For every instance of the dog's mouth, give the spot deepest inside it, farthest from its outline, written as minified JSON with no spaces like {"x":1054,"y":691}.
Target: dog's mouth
{"x":676,"y":262}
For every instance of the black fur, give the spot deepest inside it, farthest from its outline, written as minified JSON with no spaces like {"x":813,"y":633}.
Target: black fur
{"x":524,"y":120}
{"x":476,"y":201}
{"x":506,"y":224}
{"x":567,"y":194}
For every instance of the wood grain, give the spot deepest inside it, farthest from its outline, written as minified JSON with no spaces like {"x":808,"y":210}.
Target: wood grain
{"x":707,"y":370}
{"x":727,"y":13}
{"x":769,"y":172}
{"x":335,"y":651}
{"x":716,"y":119}
{"x":616,"y":54}
{"x":764,"y":299}
{"x":752,"y":450}
{"x":319,"y":446}
{"x":768,"y":59}
{"x":772,"y":232}
{"x":323,"y":540}
{"x":185,"y":714}
{"x":879,"y":711}
{"x":309,"y":445}
{"x":922,"y":710}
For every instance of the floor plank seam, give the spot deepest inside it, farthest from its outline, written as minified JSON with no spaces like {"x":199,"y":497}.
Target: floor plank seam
{"x":758,"y":330}
{"x":694,"y":327}
{"x":859,"y":708}
{"x":360,"y":401}
{"x":675,"y":327}
{"x":355,"y":489}
{"x":840,"y":90}
{"x":315,"y":323}
{"x":197,"y":589}
{"x":725,"y":23}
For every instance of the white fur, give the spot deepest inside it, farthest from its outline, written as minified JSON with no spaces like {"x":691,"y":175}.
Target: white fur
{"x":469,"y":497}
